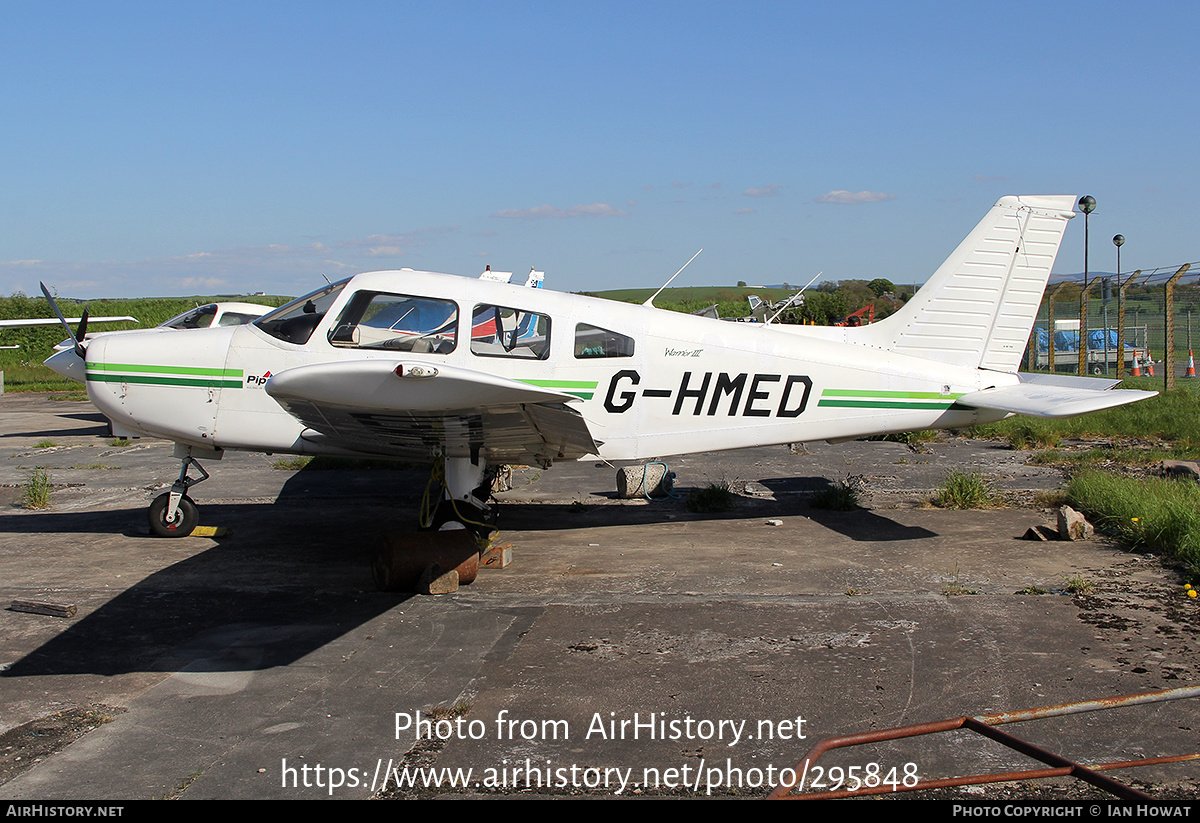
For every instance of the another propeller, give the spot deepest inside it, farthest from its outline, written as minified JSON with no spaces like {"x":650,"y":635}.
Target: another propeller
{"x":78,"y":338}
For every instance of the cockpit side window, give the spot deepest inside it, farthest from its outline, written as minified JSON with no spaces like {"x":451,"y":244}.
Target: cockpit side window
{"x":593,"y":341}
{"x":295,"y":322}
{"x":498,"y":331}
{"x":397,"y":322}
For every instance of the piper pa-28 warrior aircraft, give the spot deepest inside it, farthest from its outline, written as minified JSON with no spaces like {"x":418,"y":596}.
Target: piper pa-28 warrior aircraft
{"x":471,"y":374}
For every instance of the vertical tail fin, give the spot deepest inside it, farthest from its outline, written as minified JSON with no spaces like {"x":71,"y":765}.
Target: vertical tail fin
{"x":978,"y":308}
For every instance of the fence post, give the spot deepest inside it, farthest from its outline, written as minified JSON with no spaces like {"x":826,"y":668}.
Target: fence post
{"x":1169,"y":308}
{"x":1083,"y":329}
{"x":1050,"y":323}
{"x":1121,"y":321}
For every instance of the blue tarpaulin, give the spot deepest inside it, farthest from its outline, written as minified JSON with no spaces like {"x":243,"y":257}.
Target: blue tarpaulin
{"x":1069,"y":340}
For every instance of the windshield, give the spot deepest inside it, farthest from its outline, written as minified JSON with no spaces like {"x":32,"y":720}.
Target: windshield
{"x":294,"y":322}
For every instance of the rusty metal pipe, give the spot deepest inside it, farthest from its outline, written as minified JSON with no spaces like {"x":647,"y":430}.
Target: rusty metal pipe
{"x":985,"y":725}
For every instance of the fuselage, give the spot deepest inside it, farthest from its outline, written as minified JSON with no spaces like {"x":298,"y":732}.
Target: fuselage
{"x":647,"y":382}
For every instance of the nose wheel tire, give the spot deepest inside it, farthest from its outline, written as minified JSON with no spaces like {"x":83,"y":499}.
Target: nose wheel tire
{"x":186,"y":517}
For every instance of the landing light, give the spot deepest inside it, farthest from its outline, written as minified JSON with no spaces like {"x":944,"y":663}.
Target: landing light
{"x":415,"y":370}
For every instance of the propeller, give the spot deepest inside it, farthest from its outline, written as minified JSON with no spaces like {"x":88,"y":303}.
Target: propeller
{"x":79,"y":347}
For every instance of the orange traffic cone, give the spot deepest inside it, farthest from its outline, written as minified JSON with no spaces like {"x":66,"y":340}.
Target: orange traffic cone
{"x":1137,"y":368}
{"x":1191,"y":369}
{"x":1149,"y":364}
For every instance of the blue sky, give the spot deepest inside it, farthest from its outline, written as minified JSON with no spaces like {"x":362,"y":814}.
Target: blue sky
{"x":162,"y":149}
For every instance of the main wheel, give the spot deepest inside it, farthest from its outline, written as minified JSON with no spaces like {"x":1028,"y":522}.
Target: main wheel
{"x":187,"y":516}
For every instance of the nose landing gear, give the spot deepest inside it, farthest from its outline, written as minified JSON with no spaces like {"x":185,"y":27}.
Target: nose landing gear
{"x":173,"y":514}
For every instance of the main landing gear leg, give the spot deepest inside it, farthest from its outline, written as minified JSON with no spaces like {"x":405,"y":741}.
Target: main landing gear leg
{"x":173,"y":514}
{"x":452,"y":531}
{"x":467,"y":487}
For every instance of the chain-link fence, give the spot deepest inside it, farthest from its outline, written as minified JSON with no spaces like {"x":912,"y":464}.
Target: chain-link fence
{"x":1139,"y":323}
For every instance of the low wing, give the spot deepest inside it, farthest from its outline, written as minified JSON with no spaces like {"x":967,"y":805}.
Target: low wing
{"x":1047,"y":395}
{"x":54,"y":321}
{"x":418,"y":410}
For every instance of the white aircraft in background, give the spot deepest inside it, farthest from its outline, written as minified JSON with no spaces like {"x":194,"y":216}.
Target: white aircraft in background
{"x":215,"y":315}
{"x":54,"y":321}
{"x":470,"y":374}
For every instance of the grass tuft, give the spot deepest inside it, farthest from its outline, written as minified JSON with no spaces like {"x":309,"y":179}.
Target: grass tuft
{"x":36,"y":494}
{"x":914,"y":440}
{"x":956,"y":588}
{"x":1032,"y":434}
{"x":1079,"y":585}
{"x":964,"y":490}
{"x":842,"y":496}
{"x":715,"y":497}
{"x":291,"y":464}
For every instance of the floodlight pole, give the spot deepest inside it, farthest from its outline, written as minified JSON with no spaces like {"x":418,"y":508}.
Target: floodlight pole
{"x":1087,"y":205}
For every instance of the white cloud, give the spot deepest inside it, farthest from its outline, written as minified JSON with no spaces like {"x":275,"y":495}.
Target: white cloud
{"x":852,"y":198}
{"x":764,"y":191}
{"x":390,"y":245}
{"x":546,"y":212}
{"x":746,"y":211}
{"x":269,"y":267}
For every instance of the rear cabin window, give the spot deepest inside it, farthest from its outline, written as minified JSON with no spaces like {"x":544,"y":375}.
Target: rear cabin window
{"x":593,"y":341}
{"x":397,"y":322}
{"x":500,"y":331}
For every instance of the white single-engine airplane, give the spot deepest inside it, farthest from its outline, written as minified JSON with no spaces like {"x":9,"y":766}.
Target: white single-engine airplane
{"x":471,"y":374}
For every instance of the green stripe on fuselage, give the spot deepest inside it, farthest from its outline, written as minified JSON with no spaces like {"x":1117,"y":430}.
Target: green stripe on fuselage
{"x":888,"y":399}
{"x":561,"y":384}
{"x":203,"y":382}
{"x":911,"y":395}
{"x":192,"y":371}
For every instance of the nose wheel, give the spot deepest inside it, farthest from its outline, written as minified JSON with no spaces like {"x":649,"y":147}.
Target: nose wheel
{"x":181,"y":524}
{"x":173,"y":514}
